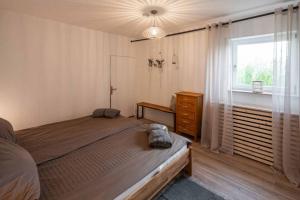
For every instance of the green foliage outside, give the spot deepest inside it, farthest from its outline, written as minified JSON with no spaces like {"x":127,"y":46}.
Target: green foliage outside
{"x":255,"y":73}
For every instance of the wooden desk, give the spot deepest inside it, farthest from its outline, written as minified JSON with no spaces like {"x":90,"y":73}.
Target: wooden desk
{"x":154,"y":107}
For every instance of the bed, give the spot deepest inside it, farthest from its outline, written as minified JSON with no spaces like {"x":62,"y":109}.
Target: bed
{"x":99,"y":158}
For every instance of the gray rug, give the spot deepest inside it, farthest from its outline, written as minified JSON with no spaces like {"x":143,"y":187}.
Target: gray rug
{"x":183,"y":188}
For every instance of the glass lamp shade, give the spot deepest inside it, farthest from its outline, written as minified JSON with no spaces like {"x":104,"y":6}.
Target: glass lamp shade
{"x":154,"y":32}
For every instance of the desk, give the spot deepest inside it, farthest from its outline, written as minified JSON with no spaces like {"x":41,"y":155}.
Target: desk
{"x":154,"y":107}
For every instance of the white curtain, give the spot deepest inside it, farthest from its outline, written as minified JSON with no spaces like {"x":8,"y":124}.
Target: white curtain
{"x":217,"y":131}
{"x":286,"y":90}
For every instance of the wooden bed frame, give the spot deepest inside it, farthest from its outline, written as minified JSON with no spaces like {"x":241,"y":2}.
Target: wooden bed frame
{"x":163,"y":177}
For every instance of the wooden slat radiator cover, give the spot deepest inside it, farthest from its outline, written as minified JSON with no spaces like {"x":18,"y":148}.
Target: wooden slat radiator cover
{"x":252,"y":129}
{"x":252,"y":133}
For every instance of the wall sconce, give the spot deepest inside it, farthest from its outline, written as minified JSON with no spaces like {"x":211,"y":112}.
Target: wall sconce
{"x":174,"y":59}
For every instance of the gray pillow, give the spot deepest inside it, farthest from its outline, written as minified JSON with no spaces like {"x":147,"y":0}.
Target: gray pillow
{"x":7,"y":131}
{"x":98,"y":112}
{"x":19,"y":177}
{"x":111,"y":113}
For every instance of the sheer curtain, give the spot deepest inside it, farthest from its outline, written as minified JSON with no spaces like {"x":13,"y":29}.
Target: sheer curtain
{"x":286,"y":90}
{"x":217,"y":114}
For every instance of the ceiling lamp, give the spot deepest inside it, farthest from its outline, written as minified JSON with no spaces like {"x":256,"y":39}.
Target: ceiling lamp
{"x":154,"y":32}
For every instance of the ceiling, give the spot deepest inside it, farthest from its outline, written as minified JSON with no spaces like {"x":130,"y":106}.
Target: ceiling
{"x":126,"y":16}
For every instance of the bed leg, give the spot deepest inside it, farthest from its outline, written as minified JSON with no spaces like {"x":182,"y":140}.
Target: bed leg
{"x":188,"y":167}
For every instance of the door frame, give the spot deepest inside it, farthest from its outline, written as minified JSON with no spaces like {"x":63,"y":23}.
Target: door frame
{"x":110,"y":66}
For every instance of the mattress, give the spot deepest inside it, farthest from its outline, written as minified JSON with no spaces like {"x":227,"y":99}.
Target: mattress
{"x":104,"y":166}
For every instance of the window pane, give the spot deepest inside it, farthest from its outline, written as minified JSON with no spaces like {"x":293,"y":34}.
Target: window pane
{"x":254,"y":62}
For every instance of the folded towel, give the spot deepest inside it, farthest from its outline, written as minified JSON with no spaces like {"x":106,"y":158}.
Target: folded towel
{"x":160,"y":138}
{"x":156,"y":127}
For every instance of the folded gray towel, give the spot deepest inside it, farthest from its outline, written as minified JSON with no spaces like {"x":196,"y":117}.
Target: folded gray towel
{"x":160,"y":138}
{"x":156,"y":126}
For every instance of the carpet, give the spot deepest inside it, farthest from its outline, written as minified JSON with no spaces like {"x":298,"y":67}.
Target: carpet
{"x":182,"y":188}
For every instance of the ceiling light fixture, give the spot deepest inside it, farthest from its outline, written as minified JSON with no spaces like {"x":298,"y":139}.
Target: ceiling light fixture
{"x":154,"y":32}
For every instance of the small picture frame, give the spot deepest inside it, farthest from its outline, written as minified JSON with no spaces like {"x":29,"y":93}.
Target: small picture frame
{"x":257,"y":86}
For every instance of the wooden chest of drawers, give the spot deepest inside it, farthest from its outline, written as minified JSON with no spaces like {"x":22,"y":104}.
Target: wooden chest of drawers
{"x":189,"y":113}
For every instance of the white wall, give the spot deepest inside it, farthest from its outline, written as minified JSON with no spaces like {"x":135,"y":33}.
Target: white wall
{"x":50,"y":71}
{"x":157,"y":86}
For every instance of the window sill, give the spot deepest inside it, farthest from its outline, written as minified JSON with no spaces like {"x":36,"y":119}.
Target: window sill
{"x":253,"y":93}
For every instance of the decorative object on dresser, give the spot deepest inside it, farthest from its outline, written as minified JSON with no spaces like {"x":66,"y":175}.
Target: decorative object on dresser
{"x":189,"y":113}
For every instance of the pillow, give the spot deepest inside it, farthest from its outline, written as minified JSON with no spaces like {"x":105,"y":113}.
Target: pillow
{"x":7,"y":131}
{"x":111,"y":113}
{"x":98,"y":112}
{"x":156,"y":127}
{"x":18,"y":175}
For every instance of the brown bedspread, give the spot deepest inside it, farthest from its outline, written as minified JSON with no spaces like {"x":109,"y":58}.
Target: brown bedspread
{"x":103,"y":169}
{"x":54,"y":140}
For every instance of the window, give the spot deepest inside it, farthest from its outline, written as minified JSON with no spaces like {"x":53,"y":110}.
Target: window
{"x":252,"y":61}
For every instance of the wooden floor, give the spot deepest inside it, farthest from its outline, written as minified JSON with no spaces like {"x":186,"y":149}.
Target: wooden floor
{"x":238,"y":178}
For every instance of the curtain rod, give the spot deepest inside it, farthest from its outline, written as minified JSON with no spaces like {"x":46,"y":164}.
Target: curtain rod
{"x":226,"y":23}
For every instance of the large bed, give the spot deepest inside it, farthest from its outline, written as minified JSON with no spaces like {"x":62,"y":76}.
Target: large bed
{"x":100,"y":158}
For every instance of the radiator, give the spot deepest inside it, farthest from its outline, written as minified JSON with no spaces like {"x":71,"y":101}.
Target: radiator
{"x":252,"y":132}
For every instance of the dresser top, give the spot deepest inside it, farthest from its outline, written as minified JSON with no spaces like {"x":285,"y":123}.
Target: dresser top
{"x":194,"y":94}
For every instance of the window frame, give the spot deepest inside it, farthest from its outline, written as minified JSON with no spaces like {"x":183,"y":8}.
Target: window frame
{"x":235,"y":42}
